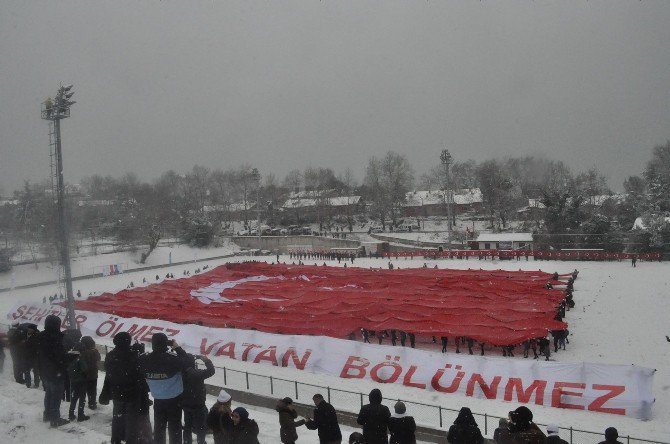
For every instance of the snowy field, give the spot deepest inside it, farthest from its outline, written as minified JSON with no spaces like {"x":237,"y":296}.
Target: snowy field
{"x":621,"y":317}
{"x":21,"y":420}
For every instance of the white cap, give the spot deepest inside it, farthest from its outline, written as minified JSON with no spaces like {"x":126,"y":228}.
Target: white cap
{"x":223,"y":397}
{"x":552,"y":429}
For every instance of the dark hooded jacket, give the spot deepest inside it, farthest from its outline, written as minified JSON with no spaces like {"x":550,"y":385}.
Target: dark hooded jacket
{"x":287,"y":423}
{"x":374,"y":418}
{"x":126,"y":382}
{"x":91,"y":358}
{"x":465,"y":429}
{"x":194,"y":383}
{"x":245,"y":432}
{"x":522,"y":428}
{"x":52,"y":355}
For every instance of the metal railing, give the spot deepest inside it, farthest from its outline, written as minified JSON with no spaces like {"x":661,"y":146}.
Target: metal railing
{"x":429,"y":415}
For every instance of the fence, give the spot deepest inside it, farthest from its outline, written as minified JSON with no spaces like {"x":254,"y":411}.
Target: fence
{"x":518,"y":254}
{"x":429,"y":415}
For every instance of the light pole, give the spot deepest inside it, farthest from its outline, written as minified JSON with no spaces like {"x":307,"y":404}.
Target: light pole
{"x":54,"y":111}
{"x":446,"y":159}
{"x":257,"y":178}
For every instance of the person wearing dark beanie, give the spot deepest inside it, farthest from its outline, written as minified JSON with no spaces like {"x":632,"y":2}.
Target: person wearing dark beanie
{"x":523,"y":429}
{"x":611,"y":435}
{"x":241,"y":429}
{"x":163,"y":372}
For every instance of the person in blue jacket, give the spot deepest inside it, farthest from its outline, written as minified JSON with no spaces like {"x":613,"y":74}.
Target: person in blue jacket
{"x":163,"y":373}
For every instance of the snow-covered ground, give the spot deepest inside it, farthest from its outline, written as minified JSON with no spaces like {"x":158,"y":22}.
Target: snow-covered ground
{"x":21,"y":419}
{"x":85,"y":265}
{"x":621,"y":317}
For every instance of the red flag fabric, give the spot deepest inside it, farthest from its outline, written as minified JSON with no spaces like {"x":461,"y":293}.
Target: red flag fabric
{"x":498,"y":307}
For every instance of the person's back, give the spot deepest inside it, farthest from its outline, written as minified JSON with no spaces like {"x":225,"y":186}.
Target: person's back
{"x":501,"y":434}
{"x":522,"y":428}
{"x":465,"y":429}
{"x":611,"y":436}
{"x":374,"y":419}
{"x":194,"y":382}
{"x":401,"y":426}
{"x":162,"y":371}
{"x":552,"y":435}
{"x":193,"y":399}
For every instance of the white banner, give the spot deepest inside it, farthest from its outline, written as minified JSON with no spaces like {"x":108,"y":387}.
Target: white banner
{"x":605,"y":388}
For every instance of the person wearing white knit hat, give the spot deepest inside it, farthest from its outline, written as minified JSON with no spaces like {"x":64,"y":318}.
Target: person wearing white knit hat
{"x":552,"y":435}
{"x":221,"y":407}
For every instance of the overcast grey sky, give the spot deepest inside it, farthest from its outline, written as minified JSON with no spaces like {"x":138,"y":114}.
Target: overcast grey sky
{"x":286,"y":84}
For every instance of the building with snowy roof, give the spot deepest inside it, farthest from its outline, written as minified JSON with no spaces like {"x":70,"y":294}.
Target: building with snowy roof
{"x":434,"y":202}
{"x":505,"y":241}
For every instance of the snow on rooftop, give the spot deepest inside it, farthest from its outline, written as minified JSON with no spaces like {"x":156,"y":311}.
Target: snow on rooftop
{"x":436,"y":197}
{"x":505,"y":237}
{"x":640,"y":225}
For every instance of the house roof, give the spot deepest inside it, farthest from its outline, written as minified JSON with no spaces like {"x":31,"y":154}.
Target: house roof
{"x":437,"y":197}
{"x":505,"y":237}
{"x":340,"y":201}
{"x":640,"y":225}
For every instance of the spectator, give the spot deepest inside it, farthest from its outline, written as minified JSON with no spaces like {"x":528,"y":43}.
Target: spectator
{"x":523,"y":429}
{"x":241,"y":428}
{"x":129,"y":393}
{"x":287,"y":423}
{"x":501,"y":434}
{"x":193,"y":399}
{"x":325,"y":421}
{"x":374,"y":418}
{"x":15,"y":336}
{"x":53,"y":359}
{"x":215,"y":417}
{"x":401,"y":426}
{"x":611,"y":435}
{"x":163,"y":373}
{"x":356,"y":438}
{"x":552,"y":435}
{"x":76,"y":370}
{"x":29,"y":355}
{"x":91,"y":358}
{"x":465,"y":429}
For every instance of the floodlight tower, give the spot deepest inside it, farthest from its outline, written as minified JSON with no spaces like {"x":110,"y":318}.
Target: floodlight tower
{"x":446,"y":160}
{"x":55,"y":110}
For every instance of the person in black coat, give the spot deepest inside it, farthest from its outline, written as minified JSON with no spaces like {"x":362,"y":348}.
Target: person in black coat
{"x":611,"y":435}
{"x":129,"y":393}
{"x":193,"y":399}
{"x":241,"y":429}
{"x":325,"y":421}
{"x":552,"y":435}
{"x":29,"y":355}
{"x":15,"y":337}
{"x":374,"y":418}
{"x":465,"y":429}
{"x":401,"y":426}
{"x":53,"y":367}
